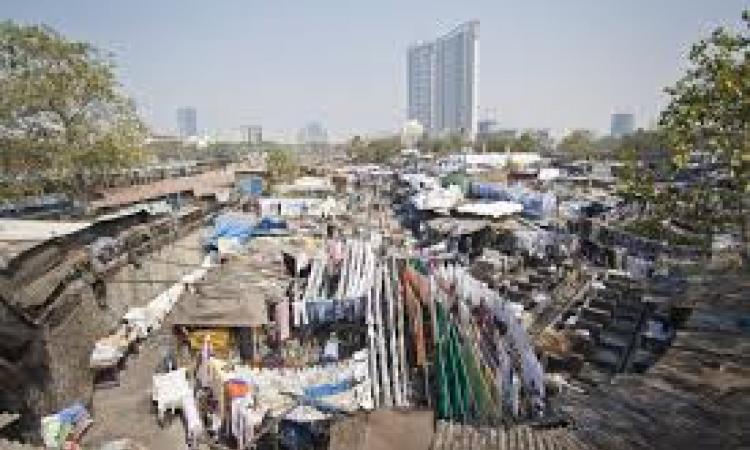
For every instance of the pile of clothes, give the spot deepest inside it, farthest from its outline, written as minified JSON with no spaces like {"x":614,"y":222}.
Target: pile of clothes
{"x":65,"y":428}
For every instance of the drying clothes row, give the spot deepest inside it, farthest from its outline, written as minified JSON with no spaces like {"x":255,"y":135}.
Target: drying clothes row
{"x":149,"y":318}
{"x":357,"y":263}
{"x":138,"y":322}
{"x":639,"y":268}
{"x":327,"y":311}
{"x":474,"y":293}
{"x":273,"y":389}
{"x":244,"y":419}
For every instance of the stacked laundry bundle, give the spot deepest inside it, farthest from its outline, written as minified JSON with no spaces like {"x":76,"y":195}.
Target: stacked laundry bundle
{"x":138,"y":322}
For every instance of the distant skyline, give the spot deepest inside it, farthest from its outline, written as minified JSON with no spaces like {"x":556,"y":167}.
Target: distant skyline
{"x":187,"y":121}
{"x":282,"y":64}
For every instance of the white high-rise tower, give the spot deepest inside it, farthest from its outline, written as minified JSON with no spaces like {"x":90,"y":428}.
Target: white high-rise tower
{"x":443,"y":83}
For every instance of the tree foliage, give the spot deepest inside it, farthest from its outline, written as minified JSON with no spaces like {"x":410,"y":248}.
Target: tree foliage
{"x":578,"y":144}
{"x":282,"y":165}
{"x":528,"y":141}
{"x":709,"y":111}
{"x":378,"y":150}
{"x":443,"y":145}
{"x":62,"y":116}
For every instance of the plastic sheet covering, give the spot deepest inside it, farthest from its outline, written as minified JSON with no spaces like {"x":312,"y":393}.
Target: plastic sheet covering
{"x":326,"y":389}
{"x":231,"y":226}
{"x":57,"y":427}
{"x":252,"y":186}
{"x":269,"y":224}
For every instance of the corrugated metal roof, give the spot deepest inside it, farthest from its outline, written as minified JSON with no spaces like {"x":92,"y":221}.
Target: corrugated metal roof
{"x":20,"y":235}
{"x":39,"y":290}
{"x":199,"y":185}
{"x":236,"y":294}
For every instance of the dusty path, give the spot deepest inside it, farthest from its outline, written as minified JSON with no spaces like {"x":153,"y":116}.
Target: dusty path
{"x":125,"y":411}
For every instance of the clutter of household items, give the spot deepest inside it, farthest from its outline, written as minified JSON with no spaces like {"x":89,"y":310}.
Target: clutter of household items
{"x":65,"y":428}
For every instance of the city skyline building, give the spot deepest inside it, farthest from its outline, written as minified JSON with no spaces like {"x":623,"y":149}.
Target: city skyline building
{"x":487,"y":127}
{"x":622,"y":124}
{"x":253,"y":134}
{"x":187,"y":122}
{"x":442,"y":81}
{"x":313,"y":137}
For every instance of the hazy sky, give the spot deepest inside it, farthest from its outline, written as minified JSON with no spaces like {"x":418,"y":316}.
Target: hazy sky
{"x":553,"y":64}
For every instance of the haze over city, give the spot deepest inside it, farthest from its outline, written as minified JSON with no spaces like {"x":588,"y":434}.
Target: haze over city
{"x":423,"y":225}
{"x":543,"y":65}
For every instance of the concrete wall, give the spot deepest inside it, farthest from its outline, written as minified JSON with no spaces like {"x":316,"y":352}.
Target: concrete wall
{"x":54,"y":370}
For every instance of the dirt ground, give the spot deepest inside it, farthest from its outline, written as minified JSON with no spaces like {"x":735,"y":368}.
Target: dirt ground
{"x":125,"y":411}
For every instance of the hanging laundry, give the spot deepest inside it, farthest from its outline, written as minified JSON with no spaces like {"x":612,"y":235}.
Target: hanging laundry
{"x":414,"y":309}
{"x":282,"y":320}
{"x":418,"y":283}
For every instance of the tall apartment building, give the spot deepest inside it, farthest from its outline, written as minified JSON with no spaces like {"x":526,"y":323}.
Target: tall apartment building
{"x":252,"y":134}
{"x":443,"y":84}
{"x":187,"y":122}
{"x":622,"y":124}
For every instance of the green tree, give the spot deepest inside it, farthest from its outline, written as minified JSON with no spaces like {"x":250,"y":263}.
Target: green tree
{"x":709,"y":110}
{"x":444,"y":145}
{"x":379,"y":150}
{"x":382,"y":150}
{"x":282,"y":165}
{"x":63,"y":119}
{"x":578,"y":144}
{"x":527,"y":142}
{"x":355,"y":149}
{"x":498,"y":143}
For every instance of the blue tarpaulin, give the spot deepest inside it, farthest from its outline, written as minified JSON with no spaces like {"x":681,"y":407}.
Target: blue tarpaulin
{"x":228,"y":226}
{"x":72,"y":414}
{"x":326,"y":389}
{"x":242,"y":228}
{"x":268,"y":224}
{"x":252,"y":186}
